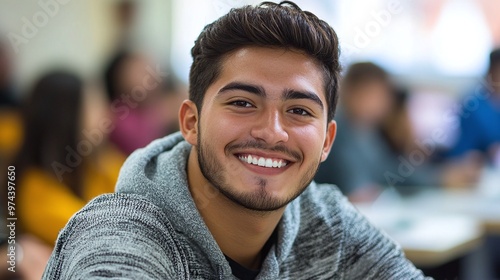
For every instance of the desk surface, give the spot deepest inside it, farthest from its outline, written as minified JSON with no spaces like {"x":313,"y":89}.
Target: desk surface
{"x":482,"y":208}
{"x":427,"y":240}
{"x":481,"y":203}
{"x":436,"y":225}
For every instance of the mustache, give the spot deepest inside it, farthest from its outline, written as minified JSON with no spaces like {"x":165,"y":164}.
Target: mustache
{"x":264,"y":147}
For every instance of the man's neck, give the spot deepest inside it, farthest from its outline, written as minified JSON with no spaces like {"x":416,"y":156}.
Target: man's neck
{"x":240,"y":233}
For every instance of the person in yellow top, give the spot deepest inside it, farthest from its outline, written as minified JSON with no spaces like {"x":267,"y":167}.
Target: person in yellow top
{"x":45,"y":204}
{"x":65,"y":159}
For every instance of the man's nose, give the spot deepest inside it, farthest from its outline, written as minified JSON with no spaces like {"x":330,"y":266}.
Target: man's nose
{"x":270,"y":128}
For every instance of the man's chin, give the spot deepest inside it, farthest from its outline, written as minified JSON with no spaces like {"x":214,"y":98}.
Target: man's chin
{"x":257,"y":200}
{"x":260,"y":195}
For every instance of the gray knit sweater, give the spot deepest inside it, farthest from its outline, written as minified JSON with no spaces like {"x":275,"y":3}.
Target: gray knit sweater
{"x":151,"y":229}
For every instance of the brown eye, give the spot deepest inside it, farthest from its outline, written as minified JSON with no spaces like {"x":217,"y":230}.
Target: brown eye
{"x":241,"y":103}
{"x":299,"y":111}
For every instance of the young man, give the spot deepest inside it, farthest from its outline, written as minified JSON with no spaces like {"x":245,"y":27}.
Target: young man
{"x":232,"y":196}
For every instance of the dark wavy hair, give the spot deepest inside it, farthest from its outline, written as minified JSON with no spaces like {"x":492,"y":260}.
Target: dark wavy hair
{"x":282,"y":25}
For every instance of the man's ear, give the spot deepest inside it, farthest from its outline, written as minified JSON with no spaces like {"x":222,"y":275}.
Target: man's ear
{"x":331,"y":132}
{"x":188,"y":121}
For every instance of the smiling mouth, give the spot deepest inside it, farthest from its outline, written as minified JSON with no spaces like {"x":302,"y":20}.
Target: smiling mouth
{"x":262,"y":161}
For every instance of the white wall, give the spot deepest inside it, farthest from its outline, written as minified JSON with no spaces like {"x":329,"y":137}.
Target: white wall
{"x":79,"y":34}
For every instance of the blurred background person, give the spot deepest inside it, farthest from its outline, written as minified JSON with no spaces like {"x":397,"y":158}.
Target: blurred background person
{"x":10,"y":136}
{"x":359,"y":156}
{"x":133,"y":88}
{"x":397,"y":131}
{"x":479,"y":132}
{"x":64,"y":160}
{"x":10,"y":122}
{"x":135,"y":91}
{"x":125,"y":14}
{"x":375,"y":140}
{"x":396,"y":128}
{"x":8,"y":98}
{"x":479,"y":139}
{"x":172,"y":93}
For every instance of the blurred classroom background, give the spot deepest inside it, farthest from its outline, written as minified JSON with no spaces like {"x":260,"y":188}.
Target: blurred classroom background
{"x":85,"y":83}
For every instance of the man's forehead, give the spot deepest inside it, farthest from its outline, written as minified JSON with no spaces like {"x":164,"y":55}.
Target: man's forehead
{"x":274,"y":65}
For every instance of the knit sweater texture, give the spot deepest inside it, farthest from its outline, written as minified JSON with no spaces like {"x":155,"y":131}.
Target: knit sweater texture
{"x":151,"y":229}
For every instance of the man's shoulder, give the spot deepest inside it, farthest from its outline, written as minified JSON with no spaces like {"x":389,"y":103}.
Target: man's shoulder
{"x":325,"y":204}
{"x":326,"y":212}
{"x":116,"y":210}
{"x":333,"y":229}
{"x":327,"y":197}
{"x":112,"y":202}
{"x":116,"y":229}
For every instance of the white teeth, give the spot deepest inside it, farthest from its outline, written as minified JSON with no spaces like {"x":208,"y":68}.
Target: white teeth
{"x":264,"y":162}
{"x":254,"y":160}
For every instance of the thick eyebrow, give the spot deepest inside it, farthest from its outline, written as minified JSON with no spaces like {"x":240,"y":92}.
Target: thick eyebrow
{"x":294,"y":94}
{"x":258,"y":90}
{"x":287,"y":94}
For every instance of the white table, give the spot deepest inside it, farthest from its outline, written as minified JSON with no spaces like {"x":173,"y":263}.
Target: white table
{"x":481,"y":203}
{"x":427,"y":239}
{"x":438,"y":225}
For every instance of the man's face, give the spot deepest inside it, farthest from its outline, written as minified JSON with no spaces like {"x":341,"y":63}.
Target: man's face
{"x":263,"y":127}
